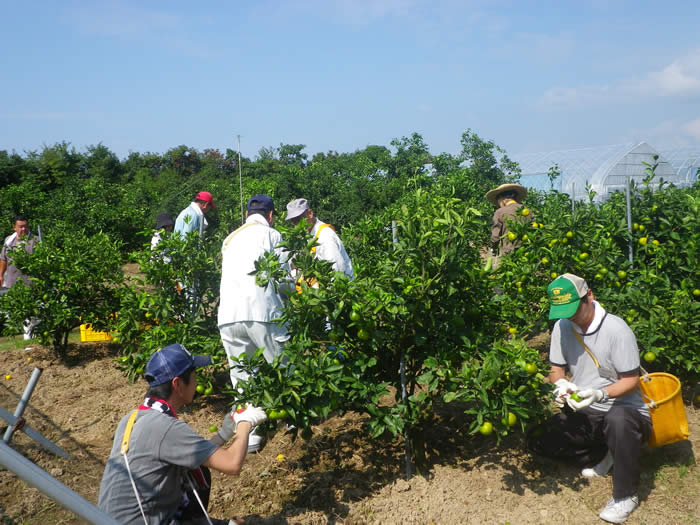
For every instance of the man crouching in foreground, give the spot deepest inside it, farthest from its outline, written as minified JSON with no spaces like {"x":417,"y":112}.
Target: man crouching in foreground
{"x":157,"y":470}
{"x":604,"y":422}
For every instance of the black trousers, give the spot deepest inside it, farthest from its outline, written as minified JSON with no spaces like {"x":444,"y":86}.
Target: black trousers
{"x":193,"y":514}
{"x":584,"y":438}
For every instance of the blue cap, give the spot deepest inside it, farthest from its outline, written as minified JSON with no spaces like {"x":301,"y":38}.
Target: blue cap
{"x":170,"y":362}
{"x":261,"y":203}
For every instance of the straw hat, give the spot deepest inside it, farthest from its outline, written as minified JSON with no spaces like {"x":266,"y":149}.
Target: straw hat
{"x":520,"y":192}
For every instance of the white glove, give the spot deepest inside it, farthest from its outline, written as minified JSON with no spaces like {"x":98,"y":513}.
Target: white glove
{"x":228,"y":427}
{"x":562,"y":391}
{"x":588,"y":397}
{"x":253,"y":415}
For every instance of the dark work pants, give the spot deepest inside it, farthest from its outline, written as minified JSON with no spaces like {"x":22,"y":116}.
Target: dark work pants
{"x":193,"y":514}
{"x":583,"y":438}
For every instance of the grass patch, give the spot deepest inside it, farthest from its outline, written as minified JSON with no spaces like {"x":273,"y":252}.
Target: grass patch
{"x":17,"y":342}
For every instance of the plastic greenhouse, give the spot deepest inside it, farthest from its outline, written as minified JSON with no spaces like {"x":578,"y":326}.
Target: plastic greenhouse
{"x":606,"y":168}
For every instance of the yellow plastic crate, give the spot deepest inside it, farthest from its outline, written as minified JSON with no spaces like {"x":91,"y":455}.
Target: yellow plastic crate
{"x":88,"y":334}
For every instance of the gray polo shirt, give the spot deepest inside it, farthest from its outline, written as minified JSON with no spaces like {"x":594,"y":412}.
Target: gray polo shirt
{"x":615,"y":347}
{"x":161,"y":450}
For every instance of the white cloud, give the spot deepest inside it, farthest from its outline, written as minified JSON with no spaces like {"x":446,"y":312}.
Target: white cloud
{"x":692,"y":128}
{"x":670,"y":133}
{"x":137,"y":24}
{"x":580,"y":96}
{"x":680,"y":78}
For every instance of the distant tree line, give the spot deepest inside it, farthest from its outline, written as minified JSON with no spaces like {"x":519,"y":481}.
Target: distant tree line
{"x":93,"y":191}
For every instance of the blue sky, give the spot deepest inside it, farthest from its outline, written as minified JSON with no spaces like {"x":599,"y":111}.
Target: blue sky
{"x":343,"y":74}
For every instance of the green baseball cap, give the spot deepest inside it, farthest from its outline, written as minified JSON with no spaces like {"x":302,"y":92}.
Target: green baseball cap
{"x":565,"y":293}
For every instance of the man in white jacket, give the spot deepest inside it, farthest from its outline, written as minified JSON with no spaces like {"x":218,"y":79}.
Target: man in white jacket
{"x":246,"y":310}
{"x":330,"y":247}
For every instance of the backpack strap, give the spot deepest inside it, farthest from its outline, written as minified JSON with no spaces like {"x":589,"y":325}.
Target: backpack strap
{"x":124,"y":450}
{"x":310,"y":280}
{"x":239,"y":230}
{"x":602,"y":371}
{"x":318,"y":232}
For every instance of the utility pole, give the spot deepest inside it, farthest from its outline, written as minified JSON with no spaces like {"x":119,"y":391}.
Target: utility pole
{"x":240,"y":177}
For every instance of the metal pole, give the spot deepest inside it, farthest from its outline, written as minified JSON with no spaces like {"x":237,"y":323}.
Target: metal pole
{"x":20,"y":424}
{"x":53,"y":488}
{"x":240,"y":177}
{"x":36,"y":374}
{"x":573,"y":196}
{"x":402,"y":368}
{"x":629,"y":218}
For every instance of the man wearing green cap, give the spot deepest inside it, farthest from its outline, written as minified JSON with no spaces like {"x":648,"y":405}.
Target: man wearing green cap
{"x":604,"y":422}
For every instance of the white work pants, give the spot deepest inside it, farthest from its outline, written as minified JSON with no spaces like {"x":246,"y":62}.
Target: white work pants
{"x":245,"y":338}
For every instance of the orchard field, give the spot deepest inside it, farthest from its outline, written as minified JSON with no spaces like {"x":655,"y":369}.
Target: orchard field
{"x":340,"y":475}
{"x":427,"y":345}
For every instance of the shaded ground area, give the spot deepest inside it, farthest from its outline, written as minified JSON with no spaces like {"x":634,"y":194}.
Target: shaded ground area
{"x":339,"y":476}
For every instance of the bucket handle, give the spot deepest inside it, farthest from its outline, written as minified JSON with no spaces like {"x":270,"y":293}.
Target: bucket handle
{"x":655,"y":404}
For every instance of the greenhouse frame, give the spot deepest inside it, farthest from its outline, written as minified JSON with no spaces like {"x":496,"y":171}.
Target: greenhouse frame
{"x":605,"y":169}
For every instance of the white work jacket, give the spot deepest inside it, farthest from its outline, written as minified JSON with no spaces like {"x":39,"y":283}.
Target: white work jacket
{"x":330,"y":248}
{"x":241,"y":299}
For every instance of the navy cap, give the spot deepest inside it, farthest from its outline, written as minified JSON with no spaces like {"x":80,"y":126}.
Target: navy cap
{"x":164,"y":219}
{"x":261,"y":203}
{"x":170,"y":362}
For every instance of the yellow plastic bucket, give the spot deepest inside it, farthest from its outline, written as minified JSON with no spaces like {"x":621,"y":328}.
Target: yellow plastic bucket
{"x":662,"y":394}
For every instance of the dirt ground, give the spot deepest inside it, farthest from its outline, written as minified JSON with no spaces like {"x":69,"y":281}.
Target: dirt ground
{"x":340,"y":476}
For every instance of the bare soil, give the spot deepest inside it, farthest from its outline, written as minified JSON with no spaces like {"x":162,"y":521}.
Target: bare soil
{"x":340,"y":476}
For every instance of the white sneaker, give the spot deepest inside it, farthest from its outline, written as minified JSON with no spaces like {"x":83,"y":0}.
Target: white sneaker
{"x":617,"y":511}
{"x":601,"y":469}
{"x":255,"y":441}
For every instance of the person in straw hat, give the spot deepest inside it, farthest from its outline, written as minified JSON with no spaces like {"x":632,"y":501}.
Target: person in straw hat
{"x":508,"y":198}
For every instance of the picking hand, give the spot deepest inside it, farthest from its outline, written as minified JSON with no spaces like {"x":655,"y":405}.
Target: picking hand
{"x":562,"y":390}
{"x":587,"y":397}
{"x":253,"y":415}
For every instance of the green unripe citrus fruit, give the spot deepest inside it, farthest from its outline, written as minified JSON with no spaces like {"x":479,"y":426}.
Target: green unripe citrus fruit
{"x":510,"y":421}
{"x":277,"y":414}
{"x":486,"y":429}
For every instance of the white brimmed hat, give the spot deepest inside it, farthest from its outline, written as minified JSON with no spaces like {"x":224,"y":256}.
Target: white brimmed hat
{"x":520,"y":192}
{"x":296,"y":208}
